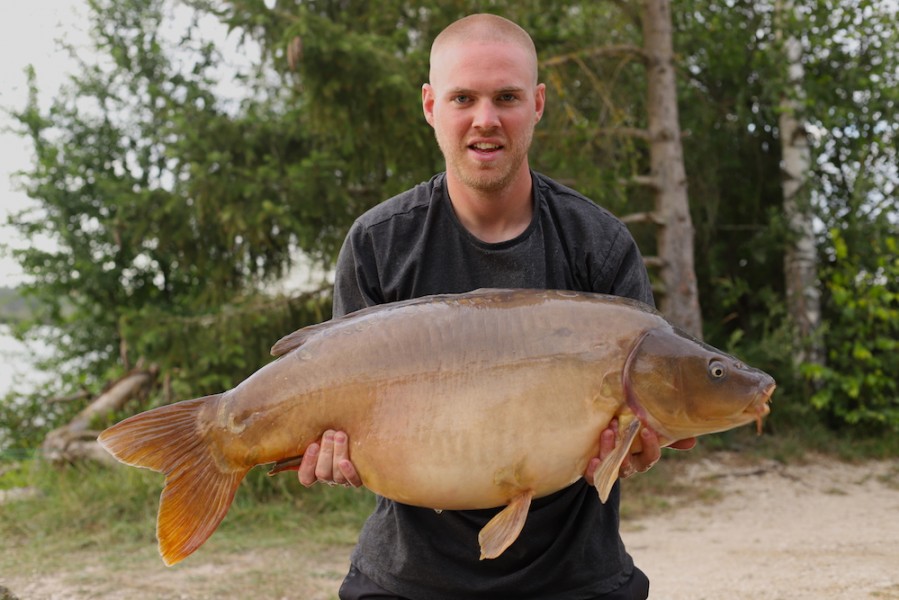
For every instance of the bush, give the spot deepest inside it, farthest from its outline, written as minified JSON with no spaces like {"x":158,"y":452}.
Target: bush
{"x":857,"y":385}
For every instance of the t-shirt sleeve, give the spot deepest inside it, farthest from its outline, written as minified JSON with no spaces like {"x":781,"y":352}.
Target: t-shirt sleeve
{"x":356,"y":282}
{"x":625,"y":269}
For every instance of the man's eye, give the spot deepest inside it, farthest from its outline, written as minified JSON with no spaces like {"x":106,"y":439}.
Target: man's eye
{"x":461,"y":99}
{"x":508,"y":98}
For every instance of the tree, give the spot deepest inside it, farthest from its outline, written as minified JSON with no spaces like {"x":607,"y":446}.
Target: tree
{"x":680,"y":301}
{"x":800,"y":258}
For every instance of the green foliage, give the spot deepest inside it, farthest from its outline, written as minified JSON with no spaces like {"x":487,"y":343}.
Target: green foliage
{"x":858,"y":386}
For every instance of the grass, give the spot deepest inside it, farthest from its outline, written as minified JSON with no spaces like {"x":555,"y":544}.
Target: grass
{"x":93,"y":528}
{"x":88,"y":508}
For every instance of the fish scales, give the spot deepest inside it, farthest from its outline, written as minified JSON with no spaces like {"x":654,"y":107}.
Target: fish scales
{"x":464,"y":401}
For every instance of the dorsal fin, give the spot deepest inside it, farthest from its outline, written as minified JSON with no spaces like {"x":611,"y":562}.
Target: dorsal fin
{"x":294,"y":340}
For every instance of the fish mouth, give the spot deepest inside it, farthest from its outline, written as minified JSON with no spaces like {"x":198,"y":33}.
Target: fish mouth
{"x":758,"y":409}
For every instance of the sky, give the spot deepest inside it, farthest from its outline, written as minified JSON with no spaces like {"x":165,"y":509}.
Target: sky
{"x":29,"y":34}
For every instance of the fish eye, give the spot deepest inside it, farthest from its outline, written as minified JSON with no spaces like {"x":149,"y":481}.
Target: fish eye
{"x":717,"y":370}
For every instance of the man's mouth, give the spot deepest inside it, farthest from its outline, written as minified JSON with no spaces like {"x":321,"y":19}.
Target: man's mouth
{"x":485,"y":147}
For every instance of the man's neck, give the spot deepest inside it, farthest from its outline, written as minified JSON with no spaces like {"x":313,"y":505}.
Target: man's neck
{"x":494,"y":216}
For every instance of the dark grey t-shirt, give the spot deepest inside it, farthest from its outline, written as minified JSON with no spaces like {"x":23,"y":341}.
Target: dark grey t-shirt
{"x":414,"y":245}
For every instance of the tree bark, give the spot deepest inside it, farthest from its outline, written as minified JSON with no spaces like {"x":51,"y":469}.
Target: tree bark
{"x":680,"y":298}
{"x":800,"y":256}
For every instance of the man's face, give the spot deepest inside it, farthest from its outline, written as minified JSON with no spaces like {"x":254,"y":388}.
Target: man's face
{"x":483,"y":102}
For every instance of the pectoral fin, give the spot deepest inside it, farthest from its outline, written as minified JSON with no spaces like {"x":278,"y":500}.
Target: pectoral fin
{"x":503,"y":529}
{"x":288,"y":464}
{"x":607,"y":473}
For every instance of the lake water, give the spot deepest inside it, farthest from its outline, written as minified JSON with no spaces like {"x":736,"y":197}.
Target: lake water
{"x":16,"y":368}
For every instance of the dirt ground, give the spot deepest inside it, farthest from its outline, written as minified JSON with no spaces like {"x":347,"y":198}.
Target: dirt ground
{"x":820,"y":530}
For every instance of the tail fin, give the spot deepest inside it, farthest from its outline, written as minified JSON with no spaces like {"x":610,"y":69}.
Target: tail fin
{"x":198,"y":492}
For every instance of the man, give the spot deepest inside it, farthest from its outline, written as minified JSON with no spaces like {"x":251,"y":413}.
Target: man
{"x":488,"y":221}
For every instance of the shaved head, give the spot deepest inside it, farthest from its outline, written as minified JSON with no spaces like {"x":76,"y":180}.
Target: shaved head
{"x":481,"y":29}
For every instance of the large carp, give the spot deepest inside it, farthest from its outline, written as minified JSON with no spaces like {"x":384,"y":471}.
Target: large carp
{"x":468,"y":401}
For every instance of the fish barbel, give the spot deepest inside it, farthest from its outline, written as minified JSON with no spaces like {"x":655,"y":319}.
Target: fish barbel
{"x":463,"y":401}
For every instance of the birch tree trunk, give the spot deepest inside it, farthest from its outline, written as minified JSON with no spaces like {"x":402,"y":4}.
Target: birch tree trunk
{"x":800,"y":256}
{"x":674,"y":237}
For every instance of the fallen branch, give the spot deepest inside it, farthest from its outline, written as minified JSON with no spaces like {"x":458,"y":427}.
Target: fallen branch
{"x":76,"y":440}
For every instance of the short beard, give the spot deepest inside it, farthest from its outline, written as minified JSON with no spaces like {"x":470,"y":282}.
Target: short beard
{"x":487,"y":180}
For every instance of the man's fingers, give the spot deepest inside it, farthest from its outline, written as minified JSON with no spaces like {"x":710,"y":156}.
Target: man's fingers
{"x":344,"y":472}
{"x":606,"y":442}
{"x":649,"y":455}
{"x":350,"y":475}
{"x":685,"y":444}
{"x":324,"y":467}
{"x":306,"y":472}
{"x":340,"y":454}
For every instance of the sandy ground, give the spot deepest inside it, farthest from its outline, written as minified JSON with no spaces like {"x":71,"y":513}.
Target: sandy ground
{"x":817,"y":531}
{"x":820,"y":530}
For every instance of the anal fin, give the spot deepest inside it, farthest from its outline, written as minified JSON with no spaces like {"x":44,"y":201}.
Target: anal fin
{"x":503,"y":529}
{"x":607,"y":473}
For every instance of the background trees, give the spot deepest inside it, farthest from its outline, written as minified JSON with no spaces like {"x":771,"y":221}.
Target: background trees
{"x":172,"y":211}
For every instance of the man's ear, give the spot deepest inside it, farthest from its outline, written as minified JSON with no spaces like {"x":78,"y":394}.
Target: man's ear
{"x":540,"y":100}
{"x":427,"y":103}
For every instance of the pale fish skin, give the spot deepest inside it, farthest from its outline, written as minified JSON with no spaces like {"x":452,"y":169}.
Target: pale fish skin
{"x":464,"y":401}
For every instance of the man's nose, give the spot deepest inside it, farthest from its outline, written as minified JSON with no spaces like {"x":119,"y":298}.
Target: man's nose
{"x":486,"y":115}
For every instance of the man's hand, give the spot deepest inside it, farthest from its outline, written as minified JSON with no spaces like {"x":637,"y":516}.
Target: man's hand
{"x":633,"y":463}
{"x":328,"y":461}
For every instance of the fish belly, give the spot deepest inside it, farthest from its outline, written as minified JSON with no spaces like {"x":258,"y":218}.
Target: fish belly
{"x":476,"y":440}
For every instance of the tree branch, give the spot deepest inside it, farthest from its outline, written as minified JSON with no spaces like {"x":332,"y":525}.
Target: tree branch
{"x":644,"y":180}
{"x":598,"y":52}
{"x":642,"y":217}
